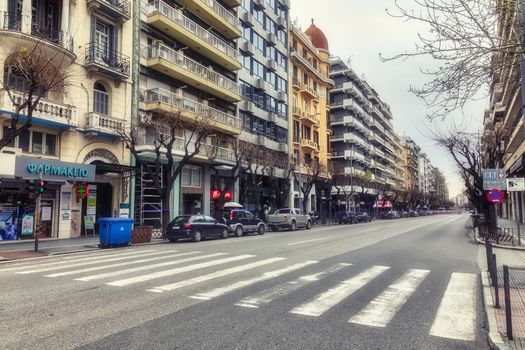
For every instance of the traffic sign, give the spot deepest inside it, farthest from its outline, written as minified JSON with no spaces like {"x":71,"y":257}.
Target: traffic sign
{"x":495,"y":196}
{"x":516,"y":184}
{"x":494,"y":179}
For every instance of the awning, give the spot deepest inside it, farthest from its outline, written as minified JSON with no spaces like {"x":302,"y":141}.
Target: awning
{"x":103,"y":168}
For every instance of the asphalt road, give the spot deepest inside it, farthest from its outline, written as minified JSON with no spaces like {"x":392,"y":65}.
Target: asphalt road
{"x":402,"y":284}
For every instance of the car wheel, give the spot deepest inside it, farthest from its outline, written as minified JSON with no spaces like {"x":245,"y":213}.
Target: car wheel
{"x":173,"y":240}
{"x":308,"y":225}
{"x":293,"y":226}
{"x":197,"y":237}
{"x":224,"y":234}
{"x":261,"y":230}
{"x":238,"y":231}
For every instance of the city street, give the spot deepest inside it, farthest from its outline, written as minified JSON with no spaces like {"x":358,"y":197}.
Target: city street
{"x":410,"y":283}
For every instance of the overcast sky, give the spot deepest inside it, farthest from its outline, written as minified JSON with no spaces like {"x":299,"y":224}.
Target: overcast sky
{"x":360,"y":30}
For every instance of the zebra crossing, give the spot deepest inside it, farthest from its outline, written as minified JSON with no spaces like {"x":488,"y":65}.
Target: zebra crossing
{"x":161,"y":271}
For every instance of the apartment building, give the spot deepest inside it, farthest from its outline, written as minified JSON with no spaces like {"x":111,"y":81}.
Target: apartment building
{"x":363,"y":138}
{"x":310,"y":107}
{"x":411,"y":155}
{"x":264,"y":111}
{"x":73,"y":144}
{"x":425,"y":174}
{"x":188,"y":70}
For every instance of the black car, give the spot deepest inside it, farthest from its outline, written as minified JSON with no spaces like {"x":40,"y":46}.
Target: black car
{"x":241,"y":221}
{"x":196,"y":228}
{"x":347,"y":218}
{"x":363,"y":217}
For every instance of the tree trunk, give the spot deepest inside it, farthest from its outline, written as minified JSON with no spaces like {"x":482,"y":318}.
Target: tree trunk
{"x":166,"y":210}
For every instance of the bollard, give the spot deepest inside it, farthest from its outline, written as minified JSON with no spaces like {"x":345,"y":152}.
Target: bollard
{"x":488,"y":248}
{"x":496,"y":284}
{"x":508,"y":312}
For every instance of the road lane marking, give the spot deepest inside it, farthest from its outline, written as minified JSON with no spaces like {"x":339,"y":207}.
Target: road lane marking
{"x":384,"y":307}
{"x":64,"y":260}
{"x":145,"y":268}
{"x":105,"y":267}
{"x":178,"y":270}
{"x":217,"y":274}
{"x":370,"y":229}
{"x":268,"y":295}
{"x":456,"y":316}
{"x":325,"y":301}
{"x":117,"y":258}
{"x":310,"y":240}
{"x":241,"y":284}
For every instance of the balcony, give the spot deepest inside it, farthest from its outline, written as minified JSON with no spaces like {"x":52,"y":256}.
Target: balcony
{"x":101,"y":124}
{"x":46,"y":113}
{"x":354,"y":171}
{"x":163,"y":101}
{"x":119,"y":10}
{"x":306,"y":143}
{"x":26,"y":32}
{"x":352,"y":105}
{"x":173,"y":23}
{"x":216,"y":15}
{"x":351,"y":88}
{"x":108,"y":62}
{"x":170,"y":62}
{"x":309,"y":91}
{"x":296,"y":111}
{"x":296,"y":83}
{"x":310,"y":119}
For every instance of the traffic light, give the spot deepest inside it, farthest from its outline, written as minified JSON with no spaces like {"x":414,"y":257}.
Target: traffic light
{"x":30,"y":186}
{"x":41,"y":186}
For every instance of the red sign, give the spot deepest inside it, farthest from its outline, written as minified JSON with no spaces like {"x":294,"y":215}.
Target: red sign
{"x":495,"y":196}
{"x":216,"y":194}
{"x":82,"y":190}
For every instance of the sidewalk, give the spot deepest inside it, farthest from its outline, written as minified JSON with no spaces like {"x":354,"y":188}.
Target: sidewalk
{"x":23,"y":249}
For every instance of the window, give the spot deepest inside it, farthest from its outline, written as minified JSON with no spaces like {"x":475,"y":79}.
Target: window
{"x":100,"y":99}
{"x":191,"y":177}
{"x":5,"y":133}
{"x":35,"y":142}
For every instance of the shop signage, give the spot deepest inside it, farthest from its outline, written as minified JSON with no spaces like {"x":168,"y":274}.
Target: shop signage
{"x":27,"y":225}
{"x":82,"y":190}
{"x":47,"y":169}
{"x":216,"y":194}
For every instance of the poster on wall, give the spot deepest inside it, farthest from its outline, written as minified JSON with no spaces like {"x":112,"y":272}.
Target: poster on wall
{"x":65,"y":206}
{"x":27,"y":225}
{"x":46,"y":214}
{"x":91,"y":209}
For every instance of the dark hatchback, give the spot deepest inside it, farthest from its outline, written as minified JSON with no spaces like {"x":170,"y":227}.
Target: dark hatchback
{"x":363,"y":217}
{"x":196,"y":228}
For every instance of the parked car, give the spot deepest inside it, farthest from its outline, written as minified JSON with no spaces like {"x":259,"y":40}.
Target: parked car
{"x":290,"y":218}
{"x":347,"y":218}
{"x":196,"y":228}
{"x":392,"y":215}
{"x":241,"y":222}
{"x":363,"y":217}
{"x":413,"y":214}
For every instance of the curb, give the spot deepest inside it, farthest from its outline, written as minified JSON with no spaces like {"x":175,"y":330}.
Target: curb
{"x":494,"y":337}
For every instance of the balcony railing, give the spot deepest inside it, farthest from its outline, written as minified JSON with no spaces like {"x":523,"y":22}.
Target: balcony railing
{"x":101,"y":122}
{"x":178,"y":17}
{"x":110,"y":60}
{"x":23,"y":23}
{"x":309,"y":143}
{"x":46,"y":109}
{"x":188,"y":105}
{"x":221,"y":11}
{"x":115,"y":8}
{"x":177,"y":58}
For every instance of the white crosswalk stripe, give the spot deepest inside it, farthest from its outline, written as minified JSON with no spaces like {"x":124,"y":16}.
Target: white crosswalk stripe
{"x":383,"y":308}
{"x":127,"y":263}
{"x":325,"y":301}
{"x":165,"y":273}
{"x":76,"y":264}
{"x":268,"y":295}
{"x":222,"y":273}
{"x":456,"y":316}
{"x":67,"y":260}
{"x":146,"y":267}
{"x":265,"y":276}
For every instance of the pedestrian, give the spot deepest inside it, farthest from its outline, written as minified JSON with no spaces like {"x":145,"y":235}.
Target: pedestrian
{"x":266,"y":213}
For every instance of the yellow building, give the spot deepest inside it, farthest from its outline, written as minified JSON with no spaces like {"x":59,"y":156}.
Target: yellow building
{"x":310,"y":86}
{"x":76,"y":125}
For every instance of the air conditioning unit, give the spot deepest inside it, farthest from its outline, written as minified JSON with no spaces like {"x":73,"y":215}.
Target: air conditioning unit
{"x":272,"y":117}
{"x":259,"y":4}
{"x":271,"y":65}
{"x":247,"y":19}
{"x":247,"y":106}
{"x":281,"y":22}
{"x":286,"y":4}
{"x":260,"y":84}
{"x":282,"y":96}
{"x":12,"y":150}
{"x":271,"y":38}
{"x":247,"y":48}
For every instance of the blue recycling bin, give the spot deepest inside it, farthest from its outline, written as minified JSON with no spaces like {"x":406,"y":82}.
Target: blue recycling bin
{"x":114,"y":231}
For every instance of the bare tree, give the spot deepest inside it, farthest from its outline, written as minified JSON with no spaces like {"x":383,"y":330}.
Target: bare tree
{"x":472,"y":41}
{"x":310,"y":174}
{"x":345,"y":184}
{"x":173,"y":144}
{"x":30,"y":74}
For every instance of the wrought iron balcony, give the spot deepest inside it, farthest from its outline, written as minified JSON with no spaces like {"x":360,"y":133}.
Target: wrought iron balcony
{"x":118,"y":9}
{"x":109,"y":62}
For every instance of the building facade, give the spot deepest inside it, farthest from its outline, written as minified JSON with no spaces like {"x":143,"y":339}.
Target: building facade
{"x":73,"y":144}
{"x":264,"y":111}
{"x":411,"y":155}
{"x":310,"y":106}
{"x":188,"y":71}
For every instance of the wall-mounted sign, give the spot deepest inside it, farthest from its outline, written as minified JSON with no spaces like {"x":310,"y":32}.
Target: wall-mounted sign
{"x":495,"y":196}
{"x":216,"y":194}
{"x":494,"y":179}
{"x":47,"y":169}
{"x":516,"y":184}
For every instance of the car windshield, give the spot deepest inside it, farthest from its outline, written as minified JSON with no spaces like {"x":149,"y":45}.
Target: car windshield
{"x":283,"y":211}
{"x":181,"y":220}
